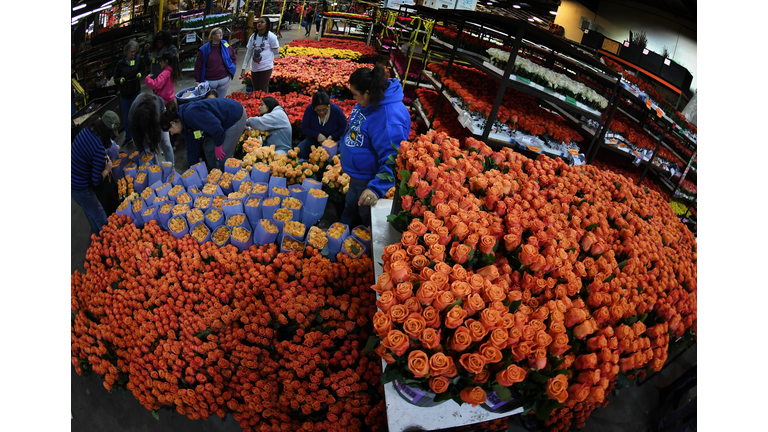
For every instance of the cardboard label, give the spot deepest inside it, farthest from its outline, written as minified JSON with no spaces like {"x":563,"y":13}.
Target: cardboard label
{"x":648,"y":103}
{"x":659,"y":112}
{"x":573,"y":152}
{"x":190,"y":37}
{"x":667,"y":62}
{"x":645,"y":51}
{"x":198,"y":134}
{"x":494,"y":402}
{"x":570,"y":100}
{"x":525,"y":80}
{"x":410,"y":393}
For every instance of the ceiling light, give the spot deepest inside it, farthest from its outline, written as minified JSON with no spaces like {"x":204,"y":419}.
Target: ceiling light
{"x":530,"y":19}
{"x":489,"y":3}
{"x":78,"y":7}
{"x":516,"y":6}
{"x":75,"y":18}
{"x":108,"y":3}
{"x":553,"y":12}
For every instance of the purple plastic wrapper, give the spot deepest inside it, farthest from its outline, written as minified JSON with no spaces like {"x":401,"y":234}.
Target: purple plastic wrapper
{"x":310,"y":219}
{"x":332,"y":151}
{"x":241,"y":246}
{"x":218,"y":191}
{"x":268,"y":211}
{"x":226,"y":242}
{"x":236,"y":183}
{"x":299,"y":192}
{"x":167,"y":169}
{"x":174,"y":197}
{"x":128,"y":211}
{"x":139,"y":187}
{"x":187,"y":215}
{"x":207,"y":238}
{"x":363,"y":252}
{"x":193,"y":180}
{"x":163,"y":218}
{"x":253,"y":213}
{"x":261,"y":236}
{"x":296,"y":212}
{"x":232,"y":170}
{"x":202,"y":170}
{"x":311,"y":184}
{"x":227,"y":190}
{"x":315,"y":205}
{"x":150,"y":217}
{"x":260,"y":195}
{"x":156,"y":185}
{"x":214,"y":224}
{"x":366,"y":243}
{"x":245,"y":223}
{"x":163,"y":191}
{"x":151,"y":200}
{"x":282,"y":249}
{"x":194,"y":195}
{"x":130,"y":171}
{"x":280,"y":182}
{"x":334,"y":245}
{"x":117,"y":171}
{"x":181,"y":233}
{"x":175,"y":179}
{"x":258,"y":176}
{"x":233,"y":209}
{"x":153,"y":177}
{"x":204,"y":209}
{"x":136,"y":157}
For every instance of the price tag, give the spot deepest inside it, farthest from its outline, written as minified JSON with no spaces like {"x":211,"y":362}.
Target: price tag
{"x":648,"y":103}
{"x":636,"y":162}
{"x":226,"y":45}
{"x":626,"y":44}
{"x":613,"y":140}
{"x":573,"y":152}
{"x":525,"y":80}
{"x":659,"y":112}
{"x":667,"y":62}
{"x":645,"y":51}
{"x":533,"y":149}
{"x":198,"y":134}
{"x":191,"y":37}
{"x":570,"y":100}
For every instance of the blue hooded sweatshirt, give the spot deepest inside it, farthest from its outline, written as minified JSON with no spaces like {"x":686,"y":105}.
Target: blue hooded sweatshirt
{"x":368,"y":139}
{"x":209,"y":118}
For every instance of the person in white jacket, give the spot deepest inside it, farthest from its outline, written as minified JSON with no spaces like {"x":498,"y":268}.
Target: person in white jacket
{"x":263,"y":48}
{"x":273,"y":119}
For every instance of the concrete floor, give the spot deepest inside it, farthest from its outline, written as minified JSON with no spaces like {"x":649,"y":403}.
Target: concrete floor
{"x":94,"y":409}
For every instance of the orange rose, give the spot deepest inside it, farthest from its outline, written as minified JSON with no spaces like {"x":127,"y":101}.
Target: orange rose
{"x":425,"y":273}
{"x":476,"y":282}
{"x":579,"y":392}
{"x":528,"y":255}
{"x":400,"y":271}
{"x":529,"y":333}
{"x":482,"y":376}
{"x":556,"y":327}
{"x":461,"y":231}
{"x":439,"y":279}
{"x":472,"y":240}
{"x":414,"y":325}
{"x":559,"y":344}
{"x":586,"y":361}
{"x":591,"y":377}
{"x":543,"y":339}
{"x":384,"y":283}
{"x":439,"y":384}
{"x":460,"y":253}
{"x":443,"y":300}
{"x":419,"y":262}
{"x":514,"y":336}
{"x":512,"y":242}
{"x":626,"y":364}
{"x":492,"y":293}
{"x":400,"y":255}
{"x":445,"y":235}
{"x":399,"y":313}
{"x":429,"y":338}
{"x":490,"y":273}
{"x":436,"y":252}
{"x":432,"y":316}
{"x":414,"y":251}
{"x":539,"y":358}
{"x":514,"y":295}
{"x":431,"y":239}
{"x":461,"y":339}
{"x":460,"y":289}
{"x":381,"y":350}
{"x":584,"y":329}
{"x":473,"y":396}
{"x":602,"y":315}
{"x":382,"y":323}
{"x":418,"y":363}
{"x":476,"y":329}
{"x":472,"y":362}
{"x":473,"y":303}
{"x":434,"y":224}
{"x":511,"y":375}
{"x":596,"y":395}
{"x":575,"y":316}
{"x":386,"y":301}
{"x":417,"y":228}
{"x":597,"y":343}
{"x":490,"y":318}
{"x":458,"y":273}
{"x":404,"y":291}
{"x":442,"y":211}
{"x":557,"y":388}
{"x":521,"y":350}
{"x":486,"y":244}
{"x":439,"y":363}
{"x":409,"y":239}
{"x":426,"y":293}
{"x":491,"y":353}
{"x":455,"y":317}
{"x":568,"y":361}
{"x":389,"y":250}
{"x":499,"y":338}
{"x":397,"y":342}
{"x":413,"y":305}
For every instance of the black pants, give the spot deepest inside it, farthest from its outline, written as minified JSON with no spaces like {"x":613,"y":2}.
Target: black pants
{"x":317,"y":25}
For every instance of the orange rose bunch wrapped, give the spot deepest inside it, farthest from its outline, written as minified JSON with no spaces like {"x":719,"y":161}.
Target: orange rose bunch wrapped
{"x":530,"y":276}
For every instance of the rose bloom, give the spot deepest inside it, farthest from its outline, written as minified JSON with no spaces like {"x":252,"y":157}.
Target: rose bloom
{"x":521,"y":351}
{"x":434,"y":225}
{"x":493,"y":354}
{"x":439,"y":384}
{"x":396,"y":341}
{"x":499,"y":338}
{"x":455,"y":317}
{"x":490,"y":318}
{"x":490,"y":273}
{"x":439,"y":363}
{"x":586,"y":361}
{"x":399,"y":270}
{"x":461,"y":231}
{"x":461,"y":339}
{"x":559,"y":344}
{"x":458,"y":273}
{"x":431,"y":239}
{"x":429,"y":338}
{"x":584,"y":329}
{"x":575,"y":316}
{"x":427,"y":293}
{"x":386,"y":301}
{"x":543,"y":339}
{"x":474,"y":396}
{"x":579,"y":392}
{"x":409,"y":239}
{"x":476,"y":329}
{"x":436,"y":252}
{"x":514,"y":336}
{"x":404,"y":291}
{"x":557,"y":388}
{"x":596,"y":395}
{"x":382,"y":323}
{"x":528,"y":255}
{"x":472,"y":240}
{"x":597,"y":343}
{"x":385,"y":283}
{"x":626,"y":364}
{"x":472,"y":362}
{"x":431,"y":316}
{"x":439,"y":279}
{"x":443,"y":300}
{"x":460,"y":289}
{"x":413,"y":305}
{"x":398,"y":313}
{"x":417,"y":228}
{"x":486,"y":244}
{"x":414,"y":251}
{"x":473,"y":303}
{"x":445,"y":235}
{"x":414,"y":325}
{"x":460,"y":253}
{"x":511,"y":375}
{"x":538,"y":359}
{"x":591,"y":377}
{"x":381,"y":351}
{"x":418,"y":363}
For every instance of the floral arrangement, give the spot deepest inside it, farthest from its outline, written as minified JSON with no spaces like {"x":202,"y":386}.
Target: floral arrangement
{"x":309,"y":74}
{"x":548,"y":78}
{"x":366,"y":51}
{"x":688,"y":187}
{"x":446,"y":120}
{"x":335,"y":180}
{"x":401,"y":62}
{"x":529,"y":277}
{"x":278,"y":353}
{"x":288,"y":51}
{"x":294,"y":104}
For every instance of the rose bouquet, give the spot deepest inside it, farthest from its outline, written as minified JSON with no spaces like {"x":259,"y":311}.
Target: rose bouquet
{"x":530,"y":279}
{"x":335,"y":180}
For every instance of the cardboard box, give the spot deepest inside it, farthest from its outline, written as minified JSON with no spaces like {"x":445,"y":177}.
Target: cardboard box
{"x":466,"y":4}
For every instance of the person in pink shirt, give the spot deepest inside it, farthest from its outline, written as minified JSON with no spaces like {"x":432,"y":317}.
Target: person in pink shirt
{"x":170,"y":75}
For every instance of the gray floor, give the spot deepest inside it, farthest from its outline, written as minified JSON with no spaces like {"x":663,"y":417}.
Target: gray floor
{"x":95,"y":409}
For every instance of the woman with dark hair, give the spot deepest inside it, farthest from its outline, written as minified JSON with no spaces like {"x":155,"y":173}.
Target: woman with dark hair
{"x":217,"y":124}
{"x":127,"y":74}
{"x":263,"y":48}
{"x":322,"y":120}
{"x":161,"y":44}
{"x":273,"y":119}
{"x":378,"y":121}
{"x":163,"y":83}
{"x":216,"y":63}
{"x":318,"y":19}
{"x":145,"y":116}
{"x":91,"y":165}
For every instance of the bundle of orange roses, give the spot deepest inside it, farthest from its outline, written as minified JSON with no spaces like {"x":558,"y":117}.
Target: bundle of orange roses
{"x":272,"y":338}
{"x":541,"y":282}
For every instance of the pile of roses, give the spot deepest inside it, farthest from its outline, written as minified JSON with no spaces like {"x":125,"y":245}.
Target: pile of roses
{"x":366,"y":51}
{"x":518,"y":110}
{"x":641,"y":139}
{"x":347,"y":15}
{"x":294,"y":104}
{"x":289,"y":51}
{"x":532,"y":279}
{"x":275,"y":339}
{"x":446,"y":120}
{"x":310,"y":74}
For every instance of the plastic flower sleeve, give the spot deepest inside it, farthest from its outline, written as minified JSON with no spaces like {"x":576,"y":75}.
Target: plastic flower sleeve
{"x":178,"y":221}
{"x":261,"y":236}
{"x":241,"y":245}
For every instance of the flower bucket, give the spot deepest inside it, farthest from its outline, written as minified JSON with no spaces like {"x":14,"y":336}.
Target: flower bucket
{"x":193,"y":194}
{"x":117,"y":170}
{"x":253,"y":211}
{"x":261,"y":236}
{"x":276,"y":182}
{"x":175,"y":179}
{"x":232,"y":209}
{"x":298,"y":192}
{"x":149,"y":214}
{"x":127,"y":211}
{"x":138,"y":186}
{"x":197,"y":233}
{"x":163,"y":190}
{"x":232,"y":169}
{"x":363,"y":231}
{"x":316,"y":205}
{"x":279,"y":223}
{"x":154,"y":177}
{"x":268,"y":210}
{"x":296,"y":211}
{"x":245,"y":186}
{"x":162,"y":218}
{"x":309,"y":183}
{"x":137,"y":220}
{"x":179,"y":219}
{"x":415,"y":396}
{"x":150,"y":199}
{"x":236,"y":183}
{"x":332,"y":150}
{"x":298,"y":238}
{"x":259,"y":176}
{"x":353,"y":248}
{"x":222,"y":231}
{"x":310,"y":219}
{"x":167,"y":169}
{"x":245,"y":223}
{"x":260,"y":195}
{"x":184,"y":198}
{"x":173,"y":194}
{"x":242,"y":245}
{"x":202,"y":170}
{"x":203,"y":202}
{"x":284,"y":250}
{"x":218,"y":190}
{"x":192,"y":213}
{"x":192,"y":179}
{"x":213,"y":224}
{"x":274,"y":193}
{"x":334,"y":244}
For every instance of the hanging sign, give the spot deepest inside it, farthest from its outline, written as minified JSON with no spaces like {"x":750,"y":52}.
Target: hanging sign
{"x":645,"y":51}
{"x":626,"y":44}
{"x":667,"y":62}
{"x":659,"y":112}
{"x":190,"y":37}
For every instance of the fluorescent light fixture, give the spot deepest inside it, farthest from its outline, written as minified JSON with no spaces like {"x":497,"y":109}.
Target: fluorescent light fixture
{"x":75,"y":18}
{"x":516,"y":6}
{"x":108,"y":3}
{"x":530,"y":19}
{"x":489,"y":3}
{"x":553,"y":12}
{"x":78,"y":7}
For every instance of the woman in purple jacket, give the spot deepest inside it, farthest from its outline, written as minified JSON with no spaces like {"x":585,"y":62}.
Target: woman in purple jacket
{"x":216,"y":63}
{"x":322,"y":120}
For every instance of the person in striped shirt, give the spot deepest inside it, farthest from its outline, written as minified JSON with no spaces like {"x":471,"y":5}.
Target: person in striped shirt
{"x":91,"y":165}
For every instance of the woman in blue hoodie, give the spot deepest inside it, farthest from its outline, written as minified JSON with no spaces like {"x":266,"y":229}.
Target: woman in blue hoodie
{"x":217,"y":124}
{"x":378,"y":121}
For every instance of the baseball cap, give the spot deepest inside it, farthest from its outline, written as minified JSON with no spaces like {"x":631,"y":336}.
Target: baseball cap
{"x":111,"y":120}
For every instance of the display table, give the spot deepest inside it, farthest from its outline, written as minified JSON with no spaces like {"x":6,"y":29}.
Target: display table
{"x":401,"y":415}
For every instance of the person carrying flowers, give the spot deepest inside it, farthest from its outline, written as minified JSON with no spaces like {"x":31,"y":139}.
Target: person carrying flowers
{"x":322,"y":120}
{"x":377,"y":125}
{"x":273,"y":119}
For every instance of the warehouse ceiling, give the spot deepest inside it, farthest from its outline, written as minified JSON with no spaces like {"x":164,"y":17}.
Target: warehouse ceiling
{"x":685,"y":9}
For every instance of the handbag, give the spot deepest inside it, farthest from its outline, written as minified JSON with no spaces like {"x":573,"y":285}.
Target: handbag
{"x":304,"y":23}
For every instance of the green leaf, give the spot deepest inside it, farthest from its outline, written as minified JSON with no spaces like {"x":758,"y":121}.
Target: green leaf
{"x":538,"y":377}
{"x":502,"y":392}
{"x":397,"y":150}
{"x":514,"y":305}
{"x":458,"y":400}
{"x":385,"y":176}
{"x":405,"y":175}
{"x":443,"y":396}
{"x":390,"y":374}
{"x":391,"y":159}
{"x":571,"y":250}
{"x":609,"y":278}
{"x":544,"y":413}
{"x":437,"y":161}
{"x":156,"y":415}
{"x":591,"y":227}
{"x":371,"y":345}
{"x":87,"y":391}
{"x":622,"y":264}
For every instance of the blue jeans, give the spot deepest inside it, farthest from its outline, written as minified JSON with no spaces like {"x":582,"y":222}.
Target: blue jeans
{"x":305,"y":147}
{"x":92,"y":207}
{"x":125,"y":107}
{"x":353,"y":214}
